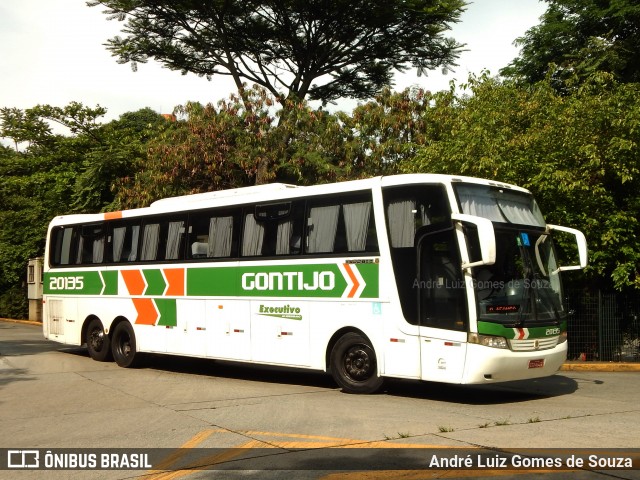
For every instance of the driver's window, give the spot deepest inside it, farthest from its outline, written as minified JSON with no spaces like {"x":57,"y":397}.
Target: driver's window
{"x":442,"y":288}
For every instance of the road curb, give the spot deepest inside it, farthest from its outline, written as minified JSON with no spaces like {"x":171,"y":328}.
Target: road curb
{"x":600,"y":367}
{"x":25,"y":322}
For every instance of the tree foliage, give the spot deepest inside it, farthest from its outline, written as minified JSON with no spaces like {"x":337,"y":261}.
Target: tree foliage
{"x":218,"y":147}
{"x":58,"y":174}
{"x":579,"y":155}
{"x":317,"y":49}
{"x":32,"y":191}
{"x":577,"y":38}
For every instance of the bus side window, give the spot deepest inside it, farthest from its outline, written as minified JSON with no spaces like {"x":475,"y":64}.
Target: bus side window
{"x":211,"y":234}
{"x":163,"y":239}
{"x":341,"y":226}
{"x":123,"y":245}
{"x":63,"y":246}
{"x":174,"y":246}
{"x":273,"y":230}
{"x":91,"y":243}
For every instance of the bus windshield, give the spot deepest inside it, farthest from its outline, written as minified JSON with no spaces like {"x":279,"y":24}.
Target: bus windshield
{"x":523,"y":287}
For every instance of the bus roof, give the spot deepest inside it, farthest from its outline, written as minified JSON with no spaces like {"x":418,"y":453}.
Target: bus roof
{"x":275,"y":192}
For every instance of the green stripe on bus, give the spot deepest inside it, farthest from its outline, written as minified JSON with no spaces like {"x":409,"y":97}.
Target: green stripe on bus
{"x":356,"y":280}
{"x":155,"y":282}
{"x":168,"y":312}
{"x":319,"y":280}
{"x":110,"y":278}
{"x":73,"y":283}
{"x":490,"y":328}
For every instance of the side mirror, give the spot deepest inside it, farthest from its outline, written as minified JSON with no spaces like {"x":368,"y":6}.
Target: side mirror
{"x":486,"y":238}
{"x":581,"y":241}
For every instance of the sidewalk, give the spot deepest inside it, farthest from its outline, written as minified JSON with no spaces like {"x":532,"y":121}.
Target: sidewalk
{"x":576,"y":366}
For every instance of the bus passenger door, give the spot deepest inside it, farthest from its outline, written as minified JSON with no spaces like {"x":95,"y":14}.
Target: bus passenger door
{"x":442,"y":307}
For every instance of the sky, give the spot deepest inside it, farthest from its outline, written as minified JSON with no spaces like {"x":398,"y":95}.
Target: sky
{"x":52,"y":52}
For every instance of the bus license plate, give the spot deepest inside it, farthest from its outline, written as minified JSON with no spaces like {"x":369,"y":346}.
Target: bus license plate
{"x":539,"y":363}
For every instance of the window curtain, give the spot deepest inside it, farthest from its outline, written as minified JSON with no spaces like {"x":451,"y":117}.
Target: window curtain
{"x":220,"y":237}
{"x":65,"y":252}
{"x":510,"y":207}
{"x":521,"y":209}
{"x":150,"y":239}
{"x":479,"y":203}
{"x":402,"y":223}
{"x":253,"y":237}
{"x":98,"y":250}
{"x":174,"y":239}
{"x":356,"y":218}
{"x":323,"y":225}
{"x":283,"y":239}
{"x":135,"y":234}
{"x":118,"y":242}
{"x":80,"y":249}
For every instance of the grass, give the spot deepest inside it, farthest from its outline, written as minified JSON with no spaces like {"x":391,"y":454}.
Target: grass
{"x":400,"y":435}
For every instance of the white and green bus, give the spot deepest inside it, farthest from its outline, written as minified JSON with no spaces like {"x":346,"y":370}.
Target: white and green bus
{"x":428,"y":277}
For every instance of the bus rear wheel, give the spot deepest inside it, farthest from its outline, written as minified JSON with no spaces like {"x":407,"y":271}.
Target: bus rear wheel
{"x":98,"y":344}
{"x":123,"y":345}
{"x":354,"y":365}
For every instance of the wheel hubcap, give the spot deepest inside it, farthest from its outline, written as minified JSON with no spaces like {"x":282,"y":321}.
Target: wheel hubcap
{"x":96,"y":339}
{"x":126,"y":348}
{"x":358,"y":363}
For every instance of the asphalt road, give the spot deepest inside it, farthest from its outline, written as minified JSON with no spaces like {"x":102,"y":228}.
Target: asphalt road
{"x":206,"y":413}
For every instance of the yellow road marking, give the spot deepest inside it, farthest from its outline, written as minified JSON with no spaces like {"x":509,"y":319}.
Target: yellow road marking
{"x":205,"y":463}
{"x":312,"y":442}
{"x":194,"y":441}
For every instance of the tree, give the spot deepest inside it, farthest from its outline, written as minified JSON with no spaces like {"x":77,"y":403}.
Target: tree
{"x":22,"y":126}
{"x":34,"y":188}
{"x":220,"y":147}
{"x":316,"y":49}
{"x":387,"y":131}
{"x":58,"y":174}
{"x":577,"y":38}
{"x":118,"y":152}
{"x":578,"y":154}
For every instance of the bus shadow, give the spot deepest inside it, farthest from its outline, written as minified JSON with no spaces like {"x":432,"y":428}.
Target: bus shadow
{"x":236,"y":370}
{"x":499,"y":393}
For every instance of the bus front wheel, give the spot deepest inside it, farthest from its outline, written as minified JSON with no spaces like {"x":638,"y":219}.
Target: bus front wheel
{"x":97,"y":341}
{"x":354,"y":366}
{"x":123,"y":345}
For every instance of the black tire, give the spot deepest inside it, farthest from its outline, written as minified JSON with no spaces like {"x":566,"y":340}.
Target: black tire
{"x":123,"y":345}
{"x":354,"y":365}
{"x":98,"y":343}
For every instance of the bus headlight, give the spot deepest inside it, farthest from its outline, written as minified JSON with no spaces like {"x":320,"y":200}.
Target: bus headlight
{"x":488,"y":340}
{"x":562,"y":338}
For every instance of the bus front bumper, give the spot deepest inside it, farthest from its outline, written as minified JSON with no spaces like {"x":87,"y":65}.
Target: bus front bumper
{"x":491,"y":365}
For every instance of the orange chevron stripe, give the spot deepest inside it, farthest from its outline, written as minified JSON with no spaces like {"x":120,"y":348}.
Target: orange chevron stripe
{"x":354,"y":279}
{"x":175,"y":279}
{"x":147,"y":313}
{"x":112,"y":215}
{"x":134,"y":281}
